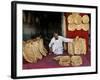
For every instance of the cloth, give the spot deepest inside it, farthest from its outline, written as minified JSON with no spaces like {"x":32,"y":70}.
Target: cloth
{"x":57,"y":45}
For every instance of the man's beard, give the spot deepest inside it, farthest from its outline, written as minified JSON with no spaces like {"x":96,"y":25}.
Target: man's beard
{"x":56,"y":38}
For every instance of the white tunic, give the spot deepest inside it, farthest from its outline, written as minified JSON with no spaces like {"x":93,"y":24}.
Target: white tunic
{"x":57,"y":45}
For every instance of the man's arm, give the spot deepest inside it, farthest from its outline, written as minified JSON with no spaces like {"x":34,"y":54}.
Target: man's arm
{"x":67,"y":39}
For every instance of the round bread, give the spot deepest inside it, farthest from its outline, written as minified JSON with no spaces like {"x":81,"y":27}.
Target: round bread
{"x":71,"y":27}
{"x":70,"y":19}
{"x":85,"y":27}
{"x":77,"y":19}
{"x":79,"y":26}
{"x":85,"y":19}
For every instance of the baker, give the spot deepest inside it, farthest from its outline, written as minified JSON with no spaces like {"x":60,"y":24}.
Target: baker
{"x":56,"y":43}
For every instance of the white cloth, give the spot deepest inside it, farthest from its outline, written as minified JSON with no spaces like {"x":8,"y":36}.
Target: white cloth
{"x":57,"y":45}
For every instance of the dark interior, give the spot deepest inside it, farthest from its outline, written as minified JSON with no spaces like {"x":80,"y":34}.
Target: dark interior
{"x":39,"y":22}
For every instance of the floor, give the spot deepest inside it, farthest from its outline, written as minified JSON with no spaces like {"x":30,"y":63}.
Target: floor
{"x":48,"y":62}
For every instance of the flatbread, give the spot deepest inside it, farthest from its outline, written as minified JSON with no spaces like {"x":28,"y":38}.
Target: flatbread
{"x":85,"y":19}
{"x":76,"y":45}
{"x":70,"y":48}
{"x":77,"y":19}
{"x":79,"y":26}
{"x":71,"y":27}
{"x":85,"y":27}
{"x":76,"y":60}
{"x":70,"y":19}
{"x":83,"y":46}
{"x":57,"y":58}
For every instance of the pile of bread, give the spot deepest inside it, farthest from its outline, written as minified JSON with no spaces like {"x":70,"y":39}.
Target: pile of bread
{"x":69,"y":60}
{"x":76,"y":22}
{"x":34,"y":50}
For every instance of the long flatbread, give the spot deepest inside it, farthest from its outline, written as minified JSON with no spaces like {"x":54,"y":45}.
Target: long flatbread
{"x":76,"y":45}
{"x":83,"y":46}
{"x":70,"y":48}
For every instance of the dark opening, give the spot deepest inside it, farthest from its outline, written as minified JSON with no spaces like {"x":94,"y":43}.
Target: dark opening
{"x":39,"y":22}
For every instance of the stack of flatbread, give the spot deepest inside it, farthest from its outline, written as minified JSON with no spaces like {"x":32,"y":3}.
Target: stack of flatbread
{"x":63,"y":60}
{"x":76,"y":60}
{"x":34,"y":50}
{"x":28,"y":54}
{"x":78,"y":46}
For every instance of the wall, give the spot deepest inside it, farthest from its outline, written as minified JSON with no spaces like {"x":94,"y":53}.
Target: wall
{"x":5,"y":40}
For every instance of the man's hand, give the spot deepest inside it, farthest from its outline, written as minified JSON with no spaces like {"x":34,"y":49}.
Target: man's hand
{"x":71,"y":40}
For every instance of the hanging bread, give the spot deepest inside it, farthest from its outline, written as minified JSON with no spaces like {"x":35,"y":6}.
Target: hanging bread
{"x":71,"y":27}
{"x":83,"y":46}
{"x":76,"y":60}
{"x":85,"y":19}
{"x":77,"y":18}
{"x":79,"y":26}
{"x":76,"y":45}
{"x":70,"y":19}
{"x":70,"y":48}
{"x":85,"y":27}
